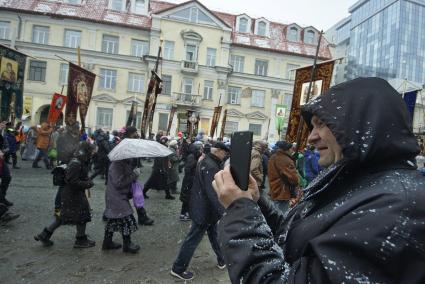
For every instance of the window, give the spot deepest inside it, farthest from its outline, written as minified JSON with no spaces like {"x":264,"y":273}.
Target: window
{"x":63,"y":74}
{"x":116,"y":5}
{"x":309,"y":37}
{"x":261,"y":67}
{"x":108,"y":79}
{"x":290,"y":71}
{"x":261,"y":28}
{"x":187,"y":85}
{"x":72,"y":38}
{"x":166,"y":85}
{"x":293,"y":34}
{"x":211,"y":54}
{"x":191,"y":52}
{"x":139,"y":7}
{"x":37,"y":71}
{"x":163,"y":122}
{"x":243,"y":25}
{"x":110,"y":44}
{"x":139,"y":48}
{"x":257,"y":99}
{"x":104,"y":117}
{"x":138,"y":118}
{"x":4,"y":30}
{"x":40,"y":34}
{"x":237,"y":62}
{"x":208,"y":90}
{"x":234,"y":97}
{"x":169,"y":50}
{"x":136,"y":82}
{"x":231,"y":126}
{"x":256,"y":128}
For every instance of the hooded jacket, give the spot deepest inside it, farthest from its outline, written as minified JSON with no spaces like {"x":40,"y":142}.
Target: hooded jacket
{"x":359,"y":221}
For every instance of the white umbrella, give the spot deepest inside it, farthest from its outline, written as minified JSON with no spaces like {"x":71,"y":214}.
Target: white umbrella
{"x":138,"y":148}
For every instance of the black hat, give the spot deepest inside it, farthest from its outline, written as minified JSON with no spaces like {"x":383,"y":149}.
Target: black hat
{"x":220,"y":145}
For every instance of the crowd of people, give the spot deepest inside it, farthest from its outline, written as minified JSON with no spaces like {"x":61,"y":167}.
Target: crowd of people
{"x":293,"y":221}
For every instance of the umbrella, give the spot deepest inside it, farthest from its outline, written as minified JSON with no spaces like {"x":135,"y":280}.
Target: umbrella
{"x":138,"y":148}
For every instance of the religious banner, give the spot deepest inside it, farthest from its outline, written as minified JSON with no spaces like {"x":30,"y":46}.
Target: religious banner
{"x":223,"y":125}
{"x":132,"y":116}
{"x":170,"y":119}
{"x":12,"y":75}
{"x":280,"y":118}
{"x":215,"y":119}
{"x":80,"y":88}
{"x":152,"y":103}
{"x":410,"y":100}
{"x":27,"y":106}
{"x":321,"y":83}
{"x":56,"y":107}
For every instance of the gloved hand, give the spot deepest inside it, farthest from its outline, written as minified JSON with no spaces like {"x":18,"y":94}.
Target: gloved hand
{"x":137,"y":171}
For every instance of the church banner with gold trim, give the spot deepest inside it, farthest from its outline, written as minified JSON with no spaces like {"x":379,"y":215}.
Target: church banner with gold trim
{"x":80,"y":88}
{"x":321,"y":83}
{"x":12,"y":76}
{"x":215,"y":119}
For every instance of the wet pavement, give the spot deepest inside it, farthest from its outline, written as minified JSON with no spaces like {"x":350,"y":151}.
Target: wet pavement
{"x":23,"y":260}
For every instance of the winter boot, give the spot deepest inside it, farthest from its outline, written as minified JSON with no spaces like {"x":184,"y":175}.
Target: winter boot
{"x":84,"y":242}
{"x":129,"y":246}
{"x":143,"y":218}
{"x":44,"y":238}
{"x":145,"y":191}
{"x":108,"y":244}
{"x":168,"y":195}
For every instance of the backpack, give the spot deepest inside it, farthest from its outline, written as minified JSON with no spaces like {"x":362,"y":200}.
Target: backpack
{"x":59,"y":173}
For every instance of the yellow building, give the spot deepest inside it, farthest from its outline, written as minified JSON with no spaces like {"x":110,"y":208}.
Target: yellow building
{"x":208,"y":58}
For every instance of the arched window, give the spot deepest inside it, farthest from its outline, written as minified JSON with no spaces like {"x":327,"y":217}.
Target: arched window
{"x":243,"y":25}
{"x":293,"y":34}
{"x":309,"y":37}
{"x":261,"y":29}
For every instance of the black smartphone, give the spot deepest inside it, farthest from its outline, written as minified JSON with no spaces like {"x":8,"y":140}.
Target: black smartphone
{"x":240,"y":157}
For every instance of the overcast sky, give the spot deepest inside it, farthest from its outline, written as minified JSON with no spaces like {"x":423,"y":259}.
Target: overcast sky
{"x":322,"y":14}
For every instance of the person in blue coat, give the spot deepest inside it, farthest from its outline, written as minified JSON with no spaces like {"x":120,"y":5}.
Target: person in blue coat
{"x":311,"y":163}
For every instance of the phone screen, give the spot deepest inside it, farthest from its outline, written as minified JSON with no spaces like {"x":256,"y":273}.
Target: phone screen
{"x":240,"y":157}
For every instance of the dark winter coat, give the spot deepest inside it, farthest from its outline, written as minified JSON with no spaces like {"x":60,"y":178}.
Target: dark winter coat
{"x":158,"y":178}
{"x":13,"y":144}
{"x":75,"y":207}
{"x":189,"y":173}
{"x":359,"y":220}
{"x":104,"y":147}
{"x":118,"y":190}
{"x":66,"y":145}
{"x":173,"y":169}
{"x":204,"y":207}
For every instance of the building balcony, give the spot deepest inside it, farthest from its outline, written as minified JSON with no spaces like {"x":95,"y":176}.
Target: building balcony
{"x":189,"y":67}
{"x":184,"y":99}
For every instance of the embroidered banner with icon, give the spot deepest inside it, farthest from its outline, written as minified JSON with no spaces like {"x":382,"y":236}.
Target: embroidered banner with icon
{"x":56,"y":107}
{"x":80,"y":88}
{"x":215,"y":119}
{"x":12,"y":75}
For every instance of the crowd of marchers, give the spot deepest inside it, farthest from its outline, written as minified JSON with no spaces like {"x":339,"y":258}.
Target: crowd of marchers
{"x":341,"y":209}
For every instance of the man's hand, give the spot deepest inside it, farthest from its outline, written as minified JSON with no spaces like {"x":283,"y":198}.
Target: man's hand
{"x":228,"y":191}
{"x":137,"y":171}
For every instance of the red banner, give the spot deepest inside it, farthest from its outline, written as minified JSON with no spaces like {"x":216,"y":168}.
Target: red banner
{"x":80,"y":88}
{"x":56,"y":107}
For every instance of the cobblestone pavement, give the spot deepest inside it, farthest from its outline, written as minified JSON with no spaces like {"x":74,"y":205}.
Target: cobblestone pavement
{"x":23,"y":260}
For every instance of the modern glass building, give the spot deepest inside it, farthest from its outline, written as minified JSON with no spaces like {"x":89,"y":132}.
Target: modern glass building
{"x":386,"y":39}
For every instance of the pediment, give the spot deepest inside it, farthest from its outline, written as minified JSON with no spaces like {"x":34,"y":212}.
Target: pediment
{"x":105,"y":98}
{"x":129,"y":101}
{"x":193,"y":12}
{"x":234,"y":113}
{"x":256,"y":115}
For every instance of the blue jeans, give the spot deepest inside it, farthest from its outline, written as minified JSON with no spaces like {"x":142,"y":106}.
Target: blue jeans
{"x":191,"y":242}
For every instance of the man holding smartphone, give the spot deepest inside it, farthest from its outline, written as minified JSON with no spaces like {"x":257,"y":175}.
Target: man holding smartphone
{"x":359,"y":221}
{"x":205,"y":211}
